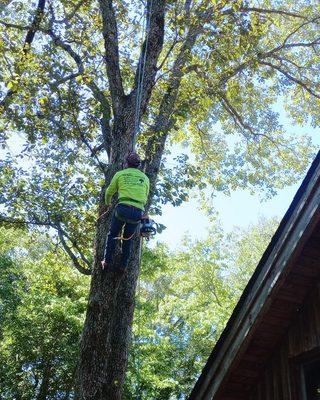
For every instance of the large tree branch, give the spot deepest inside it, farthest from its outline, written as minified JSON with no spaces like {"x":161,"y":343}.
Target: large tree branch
{"x":290,"y":77}
{"x":61,"y":233}
{"x":164,"y":121}
{"x":238,"y":119}
{"x":35,"y":24}
{"x":286,"y":45}
{"x":243,"y":125}
{"x":110,"y":35}
{"x":66,"y":47}
{"x":16,"y":221}
{"x":272,"y":11}
{"x":151,"y":49}
{"x":84,"y":139}
{"x":31,"y":31}
{"x":96,"y":91}
{"x":98,"y":94}
{"x":73,"y":257}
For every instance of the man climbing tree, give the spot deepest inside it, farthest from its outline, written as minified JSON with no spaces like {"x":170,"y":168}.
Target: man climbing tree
{"x":132,"y":186}
{"x":206,"y":74}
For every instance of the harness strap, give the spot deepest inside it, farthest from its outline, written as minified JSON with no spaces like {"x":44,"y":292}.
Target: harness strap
{"x":127,"y":220}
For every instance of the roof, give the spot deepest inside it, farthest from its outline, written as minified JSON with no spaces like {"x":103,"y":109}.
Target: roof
{"x":258,"y":311}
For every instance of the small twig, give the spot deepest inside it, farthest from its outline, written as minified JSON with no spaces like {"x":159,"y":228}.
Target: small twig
{"x":60,"y":230}
{"x":272,"y":11}
{"x":69,"y":16}
{"x":290,"y":77}
{"x":73,"y":257}
{"x":174,"y":43}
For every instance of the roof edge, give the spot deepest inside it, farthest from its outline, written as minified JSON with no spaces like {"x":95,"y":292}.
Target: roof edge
{"x":198,"y":389}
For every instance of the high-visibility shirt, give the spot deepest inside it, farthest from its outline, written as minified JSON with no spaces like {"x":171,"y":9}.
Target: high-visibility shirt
{"x":132,"y":186}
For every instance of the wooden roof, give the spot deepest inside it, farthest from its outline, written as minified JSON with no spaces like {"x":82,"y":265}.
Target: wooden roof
{"x":289,"y":268}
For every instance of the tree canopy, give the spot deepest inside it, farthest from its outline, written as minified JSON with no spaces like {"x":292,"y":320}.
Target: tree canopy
{"x":233,"y":61}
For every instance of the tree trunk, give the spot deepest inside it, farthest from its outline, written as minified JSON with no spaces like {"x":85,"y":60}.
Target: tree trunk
{"x":107,"y":329}
{"x":44,"y":387}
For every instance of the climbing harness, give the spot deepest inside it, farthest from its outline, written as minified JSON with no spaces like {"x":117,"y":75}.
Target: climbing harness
{"x":146,"y":229}
{"x":124,"y":238}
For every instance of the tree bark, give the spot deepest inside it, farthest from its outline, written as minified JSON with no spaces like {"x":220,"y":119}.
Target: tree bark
{"x":107,"y":330}
{"x":44,"y":387}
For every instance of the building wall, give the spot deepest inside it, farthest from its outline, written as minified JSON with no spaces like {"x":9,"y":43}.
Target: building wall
{"x":283,"y":377}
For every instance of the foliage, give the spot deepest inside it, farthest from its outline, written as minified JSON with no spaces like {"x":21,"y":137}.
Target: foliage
{"x":243,"y":59}
{"x":69,"y":91}
{"x":42,"y":310}
{"x":244,"y":248}
{"x":184,"y":301}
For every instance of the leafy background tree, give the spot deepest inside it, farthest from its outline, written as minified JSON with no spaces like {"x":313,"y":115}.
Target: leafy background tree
{"x":42,"y":311}
{"x":212,"y":73}
{"x":184,"y":301}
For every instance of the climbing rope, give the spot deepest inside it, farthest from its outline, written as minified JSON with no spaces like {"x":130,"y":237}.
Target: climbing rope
{"x":139,"y":95}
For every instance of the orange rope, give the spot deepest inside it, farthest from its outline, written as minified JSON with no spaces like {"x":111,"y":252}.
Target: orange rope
{"x":100,"y":216}
{"x":123,"y":238}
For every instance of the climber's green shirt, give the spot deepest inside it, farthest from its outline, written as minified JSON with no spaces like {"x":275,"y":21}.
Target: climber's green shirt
{"x":132,"y":186}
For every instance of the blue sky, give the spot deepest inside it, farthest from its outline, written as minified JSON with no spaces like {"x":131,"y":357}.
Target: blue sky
{"x":239,"y":209}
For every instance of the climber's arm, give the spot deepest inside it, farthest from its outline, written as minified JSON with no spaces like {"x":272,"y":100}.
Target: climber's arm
{"x":111,"y":190}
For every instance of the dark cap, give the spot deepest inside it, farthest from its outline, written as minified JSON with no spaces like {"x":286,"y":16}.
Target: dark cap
{"x":133,"y":160}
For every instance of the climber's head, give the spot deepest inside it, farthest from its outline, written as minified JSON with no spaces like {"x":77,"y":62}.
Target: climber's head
{"x":133,"y":160}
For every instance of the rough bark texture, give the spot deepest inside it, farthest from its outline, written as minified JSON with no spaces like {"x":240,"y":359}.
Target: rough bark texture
{"x":107,"y":330}
{"x":44,"y":387}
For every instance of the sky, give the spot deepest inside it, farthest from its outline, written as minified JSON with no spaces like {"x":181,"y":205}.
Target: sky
{"x":239,"y":209}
